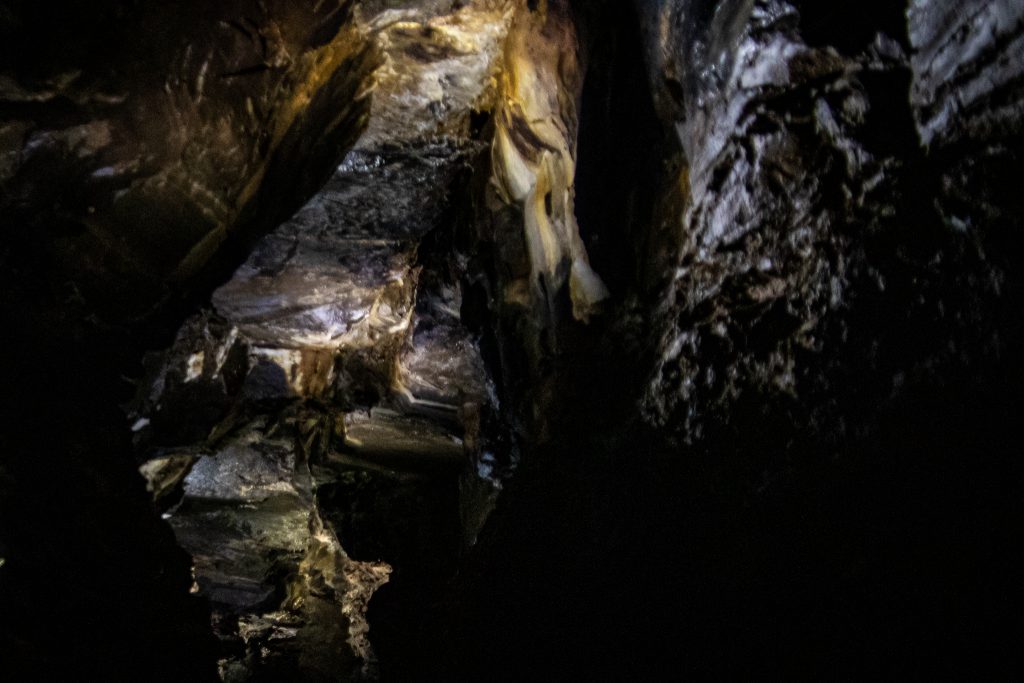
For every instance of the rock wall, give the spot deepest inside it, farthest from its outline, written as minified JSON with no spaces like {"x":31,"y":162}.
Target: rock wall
{"x":840,"y":353}
{"x":144,"y":147}
{"x":847,"y":236}
{"x":181,"y":135}
{"x":822,"y":477}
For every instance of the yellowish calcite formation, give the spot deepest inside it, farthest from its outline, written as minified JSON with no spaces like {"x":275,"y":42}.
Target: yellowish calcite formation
{"x":534,"y":154}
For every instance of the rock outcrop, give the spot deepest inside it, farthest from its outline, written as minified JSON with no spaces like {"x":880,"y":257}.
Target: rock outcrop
{"x":818,"y":317}
{"x":317,"y":431}
{"x":325,"y":403}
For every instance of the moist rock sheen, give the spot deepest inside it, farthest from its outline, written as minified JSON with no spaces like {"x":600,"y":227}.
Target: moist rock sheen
{"x":136,"y":142}
{"x":326,"y":440}
{"x":754,"y":339}
{"x":822,"y":477}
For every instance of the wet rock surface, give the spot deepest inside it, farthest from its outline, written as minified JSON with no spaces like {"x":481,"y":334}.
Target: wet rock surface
{"x":632,"y":339}
{"x":967,"y":65}
{"x":441,"y":62}
{"x":284,"y":594}
{"x":134,"y":142}
{"x":184,"y":137}
{"x":823,"y":367}
{"x":819,"y":247}
{"x":302,"y":490}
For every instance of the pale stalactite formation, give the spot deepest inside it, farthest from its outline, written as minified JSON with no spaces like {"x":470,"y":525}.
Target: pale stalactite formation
{"x":534,"y":155}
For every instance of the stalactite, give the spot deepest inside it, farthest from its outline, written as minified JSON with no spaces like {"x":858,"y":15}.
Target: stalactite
{"x":534,"y":156}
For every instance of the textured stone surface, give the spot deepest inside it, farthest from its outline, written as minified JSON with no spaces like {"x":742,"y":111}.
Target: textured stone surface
{"x":183,"y":134}
{"x":285,"y":595}
{"x":731,"y":287}
{"x":824,"y":475}
{"x":441,"y":62}
{"x":441,"y":369}
{"x":294,"y":509}
{"x":808,"y":209}
{"x":968,"y":61}
{"x":135,"y":140}
{"x":780,"y":170}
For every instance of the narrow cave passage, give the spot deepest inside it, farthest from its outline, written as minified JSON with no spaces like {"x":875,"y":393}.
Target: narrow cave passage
{"x":510,"y":339}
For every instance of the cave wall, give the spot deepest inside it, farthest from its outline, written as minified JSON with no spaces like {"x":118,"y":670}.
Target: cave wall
{"x":798,"y":453}
{"x":144,"y":149}
{"x":810,"y":166}
{"x":837,"y":329}
{"x":135,"y":155}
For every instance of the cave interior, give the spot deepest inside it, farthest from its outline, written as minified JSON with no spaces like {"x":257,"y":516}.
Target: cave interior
{"x":510,"y":339}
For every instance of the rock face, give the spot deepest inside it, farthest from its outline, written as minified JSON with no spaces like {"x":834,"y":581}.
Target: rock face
{"x":789,"y":175}
{"x":823,"y":355}
{"x":295,"y":502}
{"x":833,"y":330}
{"x":137,"y":144}
{"x":317,"y":432}
{"x":489,"y":338}
{"x":825,"y":278}
{"x":966,"y":61}
{"x":182,"y":135}
{"x":181,"y":151}
{"x":441,"y":63}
